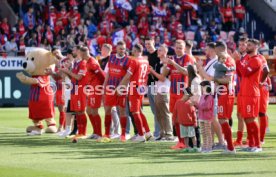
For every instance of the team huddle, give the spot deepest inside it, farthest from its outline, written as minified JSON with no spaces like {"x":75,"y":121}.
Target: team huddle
{"x":193,"y":99}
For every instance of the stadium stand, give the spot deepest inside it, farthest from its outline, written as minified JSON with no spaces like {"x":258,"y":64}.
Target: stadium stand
{"x":66,"y":23}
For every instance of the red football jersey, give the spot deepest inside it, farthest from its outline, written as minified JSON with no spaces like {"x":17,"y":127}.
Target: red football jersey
{"x":49,"y":36}
{"x":41,"y":99}
{"x":105,"y":27}
{"x":40,"y":90}
{"x":6,"y":28}
{"x":79,"y":68}
{"x":101,"y":40}
{"x":173,"y":27}
{"x":21,"y":29}
{"x":176,"y":76}
{"x":142,"y":11}
{"x":121,"y":15}
{"x":63,"y":16}
{"x":180,"y":35}
{"x":139,"y":69}
{"x":76,"y":16}
{"x":143,"y":27}
{"x":239,"y":12}
{"x":250,"y":70}
{"x":184,"y":113}
{"x":93,"y":68}
{"x":227,"y":14}
{"x":117,"y":68}
{"x":59,"y":79}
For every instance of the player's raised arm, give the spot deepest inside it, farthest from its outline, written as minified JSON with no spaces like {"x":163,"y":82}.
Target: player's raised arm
{"x":202,"y":72}
{"x":181,"y":69}
{"x":56,"y":72}
{"x":125,"y":80}
{"x":93,"y":65}
{"x":78,"y":76}
{"x":247,"y":70}
{"x":254,"y":64}
{"x":133,"y":67}
{"x":160,"y":77}
{"x":165,"y":72}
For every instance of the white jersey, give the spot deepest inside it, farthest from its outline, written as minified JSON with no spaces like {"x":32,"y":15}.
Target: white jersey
{"x":67,"y":92}
{"x":210,"y":70}
{"x":163,"y":87}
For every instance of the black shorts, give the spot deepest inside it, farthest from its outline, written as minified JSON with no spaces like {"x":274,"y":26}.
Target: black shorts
{"x":68,"y":109}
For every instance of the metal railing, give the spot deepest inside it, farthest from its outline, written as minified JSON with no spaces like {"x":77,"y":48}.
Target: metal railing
{"x":265,"y":11}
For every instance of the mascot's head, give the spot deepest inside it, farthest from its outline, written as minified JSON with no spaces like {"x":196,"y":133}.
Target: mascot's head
{"x":38,"y":60}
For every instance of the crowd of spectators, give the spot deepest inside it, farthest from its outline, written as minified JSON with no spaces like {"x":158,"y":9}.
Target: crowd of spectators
{"x":62,"y":23}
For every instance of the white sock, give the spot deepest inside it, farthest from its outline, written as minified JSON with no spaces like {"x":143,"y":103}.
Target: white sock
{"x":68,"y":128}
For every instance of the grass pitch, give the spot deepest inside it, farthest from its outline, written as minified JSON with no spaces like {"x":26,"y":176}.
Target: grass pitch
{"x":50,"y":156}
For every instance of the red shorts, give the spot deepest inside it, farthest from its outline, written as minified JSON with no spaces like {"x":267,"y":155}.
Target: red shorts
{"x":239,"y":103}
{"x":173,"y":99}
{"x":115,"y":100}
{"x":78,"y":102}
{"x":94,"y":101}
{"x":250,"y":107}
{"x":135,"y":102}
{"x":225,"y":106}
{"x":264,"y":99}
{"x":60,"y":98}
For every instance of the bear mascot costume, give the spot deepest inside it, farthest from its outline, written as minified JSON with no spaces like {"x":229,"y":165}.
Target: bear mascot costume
{"x":41,"y":98}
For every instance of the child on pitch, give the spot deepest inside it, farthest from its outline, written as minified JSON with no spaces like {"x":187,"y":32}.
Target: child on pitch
{"x":185,"y":114}
{"x":220,"y":68}
{"x":206,"y":115}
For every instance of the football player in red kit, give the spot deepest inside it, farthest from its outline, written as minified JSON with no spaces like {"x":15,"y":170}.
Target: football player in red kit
{"x":118,"y":65}
{"x":137,"y":77}
{"x":78,"y":97}
{"x":59,"y":78}
{"x":250,"y":70}
{"x":94,"y":78}
{"x":70,"y":116}
{"x":242,"y":54}
{"x":226,"y":99}
{"x":264,"y":97}
{"x":179,"y":79}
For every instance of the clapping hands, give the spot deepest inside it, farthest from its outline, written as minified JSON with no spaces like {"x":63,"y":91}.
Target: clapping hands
{"x":236,"y":55}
